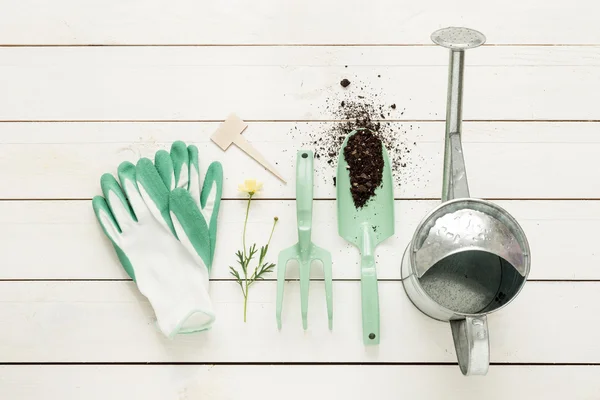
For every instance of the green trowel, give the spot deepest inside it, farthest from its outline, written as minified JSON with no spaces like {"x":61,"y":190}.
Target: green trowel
{"x":366,"y":227}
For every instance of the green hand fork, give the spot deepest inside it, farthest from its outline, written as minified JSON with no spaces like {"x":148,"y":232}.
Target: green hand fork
{"x":304,"y":252}
{"x":366,"y":228}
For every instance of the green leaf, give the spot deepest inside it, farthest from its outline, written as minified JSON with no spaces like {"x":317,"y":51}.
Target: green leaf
{"x":263,"y":254}
{"x":264,"y":269}
{"x":242,"y":261}
{"x":240,"y":257}
{"x":236,"y":274}
{"x":252,"y":252}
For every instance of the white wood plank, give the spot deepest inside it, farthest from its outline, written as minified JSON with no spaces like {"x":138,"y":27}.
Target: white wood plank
{"x":70,"y":245}
{"x":304,"y":56}
{"x":504,"y":160}
{"x":269,"y":21}
{"x":190,"y":382}
{"x":111,"y":322}
{"x":178,"y":83}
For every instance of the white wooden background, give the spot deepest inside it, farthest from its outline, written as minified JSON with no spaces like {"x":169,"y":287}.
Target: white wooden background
{"x":87,"y":84}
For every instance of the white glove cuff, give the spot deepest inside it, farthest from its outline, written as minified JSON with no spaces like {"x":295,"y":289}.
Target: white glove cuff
{"x":185,"y":312}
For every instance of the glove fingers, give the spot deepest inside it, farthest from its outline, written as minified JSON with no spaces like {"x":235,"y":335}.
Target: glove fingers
{"x":106,"y":219}
{"x":117,"y":202}
{"x":181,"y":164}
{"x":212,"y":191}
{"x":195,"y":184}
{"x":154,"y":192}
{"x":164,"y":166}
{"x":190,"y":226}
{"x":126,"y":173}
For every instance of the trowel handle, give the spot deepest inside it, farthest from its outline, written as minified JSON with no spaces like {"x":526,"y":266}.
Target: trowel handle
{"x":369,"y":288}
{"x":304,"y":196}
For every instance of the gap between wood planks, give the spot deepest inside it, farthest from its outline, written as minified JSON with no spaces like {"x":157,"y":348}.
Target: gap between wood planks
{"x":107,"y":121}
{"x":283,"y":363}
{"x":16,"y":199}
{"x":293,"y":45}
{"x":264,"y":280}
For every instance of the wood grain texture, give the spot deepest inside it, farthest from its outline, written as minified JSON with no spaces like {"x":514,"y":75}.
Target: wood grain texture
{"x":270,"y":21}
{"x":111,"y":322}
{"x":71,"y":245}
{"x":158,"y":83}
{"x":191,"y":382}
{"x":504,"y":160}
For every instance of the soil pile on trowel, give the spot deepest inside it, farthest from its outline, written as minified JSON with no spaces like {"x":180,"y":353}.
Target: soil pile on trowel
{"x":361,"y":108}
{"x":365,"y":163}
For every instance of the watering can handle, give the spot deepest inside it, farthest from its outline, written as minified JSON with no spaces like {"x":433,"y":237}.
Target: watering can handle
{"x":472,"y":344}
{"x":304,"y":197}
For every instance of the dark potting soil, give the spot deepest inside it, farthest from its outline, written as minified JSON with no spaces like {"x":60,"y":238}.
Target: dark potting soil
{"x":366,"y":113}
{"x":345,"y":82}
{"x":363,"y":153}
{"x":360,"y":106}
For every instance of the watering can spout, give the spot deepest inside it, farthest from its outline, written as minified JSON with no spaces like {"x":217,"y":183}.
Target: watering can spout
{"x":458,"y":40}
{"x":455,"y":183}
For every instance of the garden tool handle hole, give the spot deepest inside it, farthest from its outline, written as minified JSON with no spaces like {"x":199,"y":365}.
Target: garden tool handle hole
{"x":304,"y":155}
{"x":371,"y":336}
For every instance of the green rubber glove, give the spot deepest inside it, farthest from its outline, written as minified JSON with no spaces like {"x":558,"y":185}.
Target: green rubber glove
{"x":162,"y":238}
{"x":180,"y":169}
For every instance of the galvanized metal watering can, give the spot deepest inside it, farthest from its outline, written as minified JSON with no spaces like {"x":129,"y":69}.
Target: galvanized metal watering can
{"x":468,"y":257}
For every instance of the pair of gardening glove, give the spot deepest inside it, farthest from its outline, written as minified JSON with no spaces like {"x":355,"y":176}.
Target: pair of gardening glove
{"x":162,"y":222}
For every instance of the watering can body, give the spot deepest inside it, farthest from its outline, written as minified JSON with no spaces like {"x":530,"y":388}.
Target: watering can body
{"x":467,"y":259}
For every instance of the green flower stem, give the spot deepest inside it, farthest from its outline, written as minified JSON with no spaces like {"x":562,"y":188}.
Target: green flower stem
{"x":246,"y":256}
{"x":244,"y":244}
{"x":262,"y":259}
{"x":246,"y":300}
{"x":271,"y":236}
{"x":246,"y":223}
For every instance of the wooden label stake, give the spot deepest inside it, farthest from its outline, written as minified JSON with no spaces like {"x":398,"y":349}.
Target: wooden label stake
{"x":230,"y":131}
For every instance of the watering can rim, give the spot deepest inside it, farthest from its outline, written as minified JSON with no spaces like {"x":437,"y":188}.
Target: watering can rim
{"x":514,"y":227}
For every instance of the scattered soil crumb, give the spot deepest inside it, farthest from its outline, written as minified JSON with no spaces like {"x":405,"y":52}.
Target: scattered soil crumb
{"x":345,"y":83}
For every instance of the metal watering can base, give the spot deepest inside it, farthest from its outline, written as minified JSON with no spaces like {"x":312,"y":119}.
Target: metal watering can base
{"x":468,"y":257}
